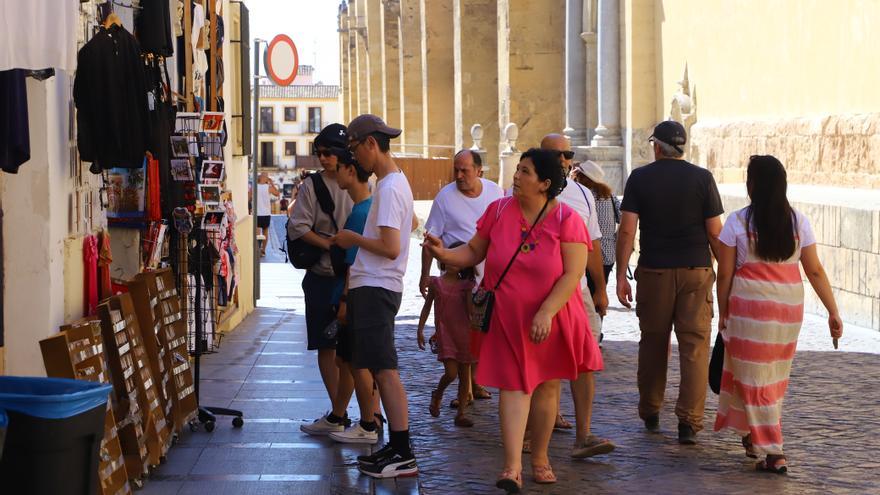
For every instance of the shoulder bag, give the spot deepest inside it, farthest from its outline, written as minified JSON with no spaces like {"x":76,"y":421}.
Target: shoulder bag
{"x":302,"y":254}
{"x":484,"y":299}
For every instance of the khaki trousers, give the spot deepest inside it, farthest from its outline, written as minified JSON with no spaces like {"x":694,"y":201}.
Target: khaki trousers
{"x":679,"y":298}
{"x":592,"y":316}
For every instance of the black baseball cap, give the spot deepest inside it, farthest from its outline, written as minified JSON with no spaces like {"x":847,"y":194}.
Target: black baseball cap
{"x":671,"y":133}
{"x":333,"y":136}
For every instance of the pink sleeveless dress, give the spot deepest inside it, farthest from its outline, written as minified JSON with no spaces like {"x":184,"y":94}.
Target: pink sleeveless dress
{"x":451,"y":319}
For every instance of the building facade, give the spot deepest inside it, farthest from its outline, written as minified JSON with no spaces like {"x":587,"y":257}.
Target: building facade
{"x":792,"y":78}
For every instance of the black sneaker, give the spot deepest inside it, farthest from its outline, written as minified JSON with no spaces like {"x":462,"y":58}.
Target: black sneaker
{"x":375,"y":457}
{"x":392,"y":467}
{"x":652,"y":423}
{"x":686,"y":434}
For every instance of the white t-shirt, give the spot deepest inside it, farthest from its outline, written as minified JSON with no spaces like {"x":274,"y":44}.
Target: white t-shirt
{"x":734,"y":233}
{"x":581,"y":200}
{"x":264,"y":204}
{"x":454,"y":216}
{"x":392,"y":207}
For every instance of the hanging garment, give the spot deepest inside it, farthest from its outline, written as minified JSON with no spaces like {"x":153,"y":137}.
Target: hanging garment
{"x":152,"y":27}
{"x":38,"y":33}
{"x":90,"y":279}
{"x":15,"y":141}
{"x":105,"y":257}
{"x":154,"y":206}
{"x":111,"y":101}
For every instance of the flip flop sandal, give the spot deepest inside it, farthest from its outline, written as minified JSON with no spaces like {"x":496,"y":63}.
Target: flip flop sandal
{"x":543,"y":475}
{"x":750,"y":449}
{"x":509,"y":481}
{"x":591,"y":447}
{"x":481,"y":393}
{"x":453,"y":404}
{"x":561,"y":423}
{"x":464,"y":421}
{"x":772,"y":464}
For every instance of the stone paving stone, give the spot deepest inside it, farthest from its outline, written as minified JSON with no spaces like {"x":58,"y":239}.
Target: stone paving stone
{"x":830,"y":425}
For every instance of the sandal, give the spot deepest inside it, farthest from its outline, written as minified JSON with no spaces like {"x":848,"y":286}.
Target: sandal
{"x":772,"y":464}
{"x":561,"y":423}
{"x":543,"y":475}
{"x":593,"y":445}
{"x":510,"y":481}
{"x":527,"y":446}
{"x":434,"y":408}
{"x":453,"y":404}
{"x":481,"y":393}
{"x":463,"y":421}
{"x":750,"y":449}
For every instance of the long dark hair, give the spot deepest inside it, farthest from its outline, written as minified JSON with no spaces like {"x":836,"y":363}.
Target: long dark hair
{"x":770,"y":214}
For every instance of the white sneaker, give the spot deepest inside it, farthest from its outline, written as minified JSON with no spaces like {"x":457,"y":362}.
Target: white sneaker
{"x":356,"y":434}
{"x":321,"y":426}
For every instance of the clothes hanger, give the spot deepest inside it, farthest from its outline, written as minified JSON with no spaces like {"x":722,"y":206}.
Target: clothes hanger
{"x":112,"y":19}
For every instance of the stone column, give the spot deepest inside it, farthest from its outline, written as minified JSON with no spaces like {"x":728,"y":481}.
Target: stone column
{"x":575,"y":74}
{"x":375,"y":65}
{"x":438,"y":75}
{"x":608,"y":130}
{"x":362,"y":67}
{"x":344,"y":73}
{"x":412,"y":109}
{"x":531,"y":68}
{"x":589,"y":37}
{"x":475,"y":37}
{"x":391,"y":56}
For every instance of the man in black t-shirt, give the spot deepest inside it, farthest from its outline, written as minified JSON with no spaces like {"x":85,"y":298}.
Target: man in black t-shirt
{"x":677,"y":208}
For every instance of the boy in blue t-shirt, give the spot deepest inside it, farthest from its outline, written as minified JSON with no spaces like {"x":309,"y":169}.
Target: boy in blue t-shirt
{"x":353,"y":179}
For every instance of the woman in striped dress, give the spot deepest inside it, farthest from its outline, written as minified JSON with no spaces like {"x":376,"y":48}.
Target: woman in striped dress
{"x":761,"y":302}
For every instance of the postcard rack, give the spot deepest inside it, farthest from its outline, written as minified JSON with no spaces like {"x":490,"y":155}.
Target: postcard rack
{"x":78,"y":352}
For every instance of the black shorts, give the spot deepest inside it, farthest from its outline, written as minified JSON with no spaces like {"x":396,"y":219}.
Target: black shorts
{"x":318,"y":291}
{"x":371,"y":314}
{"x":263,"y":221}
{"x":344,"y":343}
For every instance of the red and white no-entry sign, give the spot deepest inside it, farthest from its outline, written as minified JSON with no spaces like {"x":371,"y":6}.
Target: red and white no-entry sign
{"x":282,"y":60}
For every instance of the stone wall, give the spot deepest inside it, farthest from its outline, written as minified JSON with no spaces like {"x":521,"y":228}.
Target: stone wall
{"x":832,"y":150}
{"x":846,"y":223}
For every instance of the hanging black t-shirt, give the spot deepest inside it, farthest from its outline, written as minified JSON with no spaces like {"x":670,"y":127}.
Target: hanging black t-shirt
{"x":673,"y":199}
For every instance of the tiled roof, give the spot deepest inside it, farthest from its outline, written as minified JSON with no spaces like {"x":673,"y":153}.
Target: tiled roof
{"x":299,"y":91}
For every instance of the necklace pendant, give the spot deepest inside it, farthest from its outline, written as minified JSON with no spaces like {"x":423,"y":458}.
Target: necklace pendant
{"x":525,"y":248}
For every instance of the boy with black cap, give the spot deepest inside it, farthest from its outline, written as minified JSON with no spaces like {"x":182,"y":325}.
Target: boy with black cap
{"x":309,"y":222}
{"x":376,"y":285}
{"x":677,"y":208}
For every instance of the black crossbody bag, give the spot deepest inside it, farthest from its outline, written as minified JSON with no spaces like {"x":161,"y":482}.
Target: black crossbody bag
{"x":484,"y":299}
{"x":304,"y":255}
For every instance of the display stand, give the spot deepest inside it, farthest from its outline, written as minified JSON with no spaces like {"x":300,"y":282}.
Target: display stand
{"x":197,"y":316}
{"x":78,"y":352}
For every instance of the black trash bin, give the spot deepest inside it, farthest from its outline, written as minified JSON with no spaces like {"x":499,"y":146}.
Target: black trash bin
{"x":54,"y":435}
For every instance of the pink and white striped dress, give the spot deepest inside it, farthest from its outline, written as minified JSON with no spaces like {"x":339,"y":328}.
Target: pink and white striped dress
{"x":765,"y":308}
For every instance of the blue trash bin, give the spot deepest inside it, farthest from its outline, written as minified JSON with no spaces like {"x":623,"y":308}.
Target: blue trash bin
{"x":54,"y":432}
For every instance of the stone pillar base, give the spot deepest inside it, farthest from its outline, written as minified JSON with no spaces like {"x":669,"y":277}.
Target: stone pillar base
{"x":607,"y":136}
{"x":610,"y":158}
{"x":578,"y":137}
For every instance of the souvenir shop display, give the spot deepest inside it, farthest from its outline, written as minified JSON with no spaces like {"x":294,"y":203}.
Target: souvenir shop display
{"x":78,"y":352}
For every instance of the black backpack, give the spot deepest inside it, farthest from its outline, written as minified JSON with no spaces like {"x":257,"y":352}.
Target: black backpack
{"x":304,"y":255}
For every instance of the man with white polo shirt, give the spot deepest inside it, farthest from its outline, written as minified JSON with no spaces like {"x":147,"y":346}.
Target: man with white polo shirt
{"x":583,"y":389}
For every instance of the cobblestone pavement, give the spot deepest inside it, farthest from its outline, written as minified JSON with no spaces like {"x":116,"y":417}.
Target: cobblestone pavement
{"x":830,"y":428}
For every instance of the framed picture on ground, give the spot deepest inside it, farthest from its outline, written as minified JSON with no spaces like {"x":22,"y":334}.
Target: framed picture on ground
{"x":209,"y":194}
{"x":180,"y":147}
{"x":181,"y":170}
{"x":212,"y":170}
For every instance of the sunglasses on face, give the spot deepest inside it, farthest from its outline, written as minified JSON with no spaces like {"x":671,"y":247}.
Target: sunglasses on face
{"x":568,"y":155}
{"x":354,"y":145}
{"x":326,"y":152}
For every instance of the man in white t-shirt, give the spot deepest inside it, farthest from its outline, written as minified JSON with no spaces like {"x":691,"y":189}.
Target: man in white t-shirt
{"x":453,"y":218}
{"x":584,"y":388}
{"x":458,"y":206}
{"x":375,"y":288}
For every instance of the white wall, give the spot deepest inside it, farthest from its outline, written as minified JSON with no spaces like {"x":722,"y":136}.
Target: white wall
{"x":35,"y":226}
{"x":296,"y":131}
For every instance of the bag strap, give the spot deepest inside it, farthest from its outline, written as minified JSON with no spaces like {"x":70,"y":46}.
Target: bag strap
{"x":519,"y":248}
{"x":587,"y":201}
{"x":615,"y":204}
{"x":325,"y":201}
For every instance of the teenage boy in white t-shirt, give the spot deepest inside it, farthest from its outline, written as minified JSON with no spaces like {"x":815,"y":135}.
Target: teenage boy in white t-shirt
{"x":375,"y":288}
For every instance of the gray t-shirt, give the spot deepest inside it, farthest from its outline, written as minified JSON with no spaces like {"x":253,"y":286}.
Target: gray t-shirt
{"x":307,"y":215}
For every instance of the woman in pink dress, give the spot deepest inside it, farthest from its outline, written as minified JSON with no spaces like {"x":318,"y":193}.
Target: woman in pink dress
{"x":538,"y":331}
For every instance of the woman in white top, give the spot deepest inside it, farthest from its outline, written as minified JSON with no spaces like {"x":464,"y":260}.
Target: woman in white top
{"x":265,"y":187}
{"x":761,"y":304}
